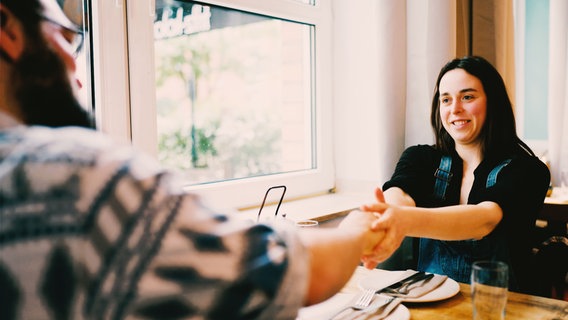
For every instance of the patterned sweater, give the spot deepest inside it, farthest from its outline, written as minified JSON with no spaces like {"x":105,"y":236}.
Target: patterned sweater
{"x":93,"y":230}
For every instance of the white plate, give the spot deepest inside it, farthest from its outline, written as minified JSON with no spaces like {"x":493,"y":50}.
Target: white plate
{"x":383,"y":278}
{"x":329,"y":307}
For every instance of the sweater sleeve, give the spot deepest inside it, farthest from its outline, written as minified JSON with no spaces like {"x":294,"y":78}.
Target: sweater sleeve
{"x":174,"y":257}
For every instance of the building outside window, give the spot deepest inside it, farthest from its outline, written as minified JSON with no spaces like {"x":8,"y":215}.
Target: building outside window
{"x":233,"y":92}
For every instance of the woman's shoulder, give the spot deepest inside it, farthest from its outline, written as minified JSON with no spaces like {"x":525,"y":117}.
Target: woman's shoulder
{"x":531,"y":167}
{"x":533,"y":164}
{"x":524,"y":158}
{"x":421,"y":149}
{"x":422,"y":152}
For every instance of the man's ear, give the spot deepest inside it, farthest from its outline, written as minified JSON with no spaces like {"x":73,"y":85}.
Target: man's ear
{"x":12,"y":35}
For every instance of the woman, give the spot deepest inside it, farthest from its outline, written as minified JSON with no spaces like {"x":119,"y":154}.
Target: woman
{"x":475,"y":194}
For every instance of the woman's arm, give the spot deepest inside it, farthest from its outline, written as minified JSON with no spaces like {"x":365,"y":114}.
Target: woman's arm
{"x":401,"y":218}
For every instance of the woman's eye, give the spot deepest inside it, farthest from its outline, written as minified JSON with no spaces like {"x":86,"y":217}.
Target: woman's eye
{"x":444,"y":100}
{"x":468,"y":97}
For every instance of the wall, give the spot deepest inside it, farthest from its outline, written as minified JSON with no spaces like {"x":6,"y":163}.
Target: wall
{"x":385,"y":67}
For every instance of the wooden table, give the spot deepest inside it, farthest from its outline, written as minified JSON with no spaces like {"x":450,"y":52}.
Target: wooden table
{"x":519,"y":306}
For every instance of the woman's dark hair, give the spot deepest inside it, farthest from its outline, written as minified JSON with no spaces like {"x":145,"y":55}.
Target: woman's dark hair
{"x":499,"y":130}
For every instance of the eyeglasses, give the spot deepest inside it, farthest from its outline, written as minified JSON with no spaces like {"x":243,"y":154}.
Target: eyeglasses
{"x":74,"y":35}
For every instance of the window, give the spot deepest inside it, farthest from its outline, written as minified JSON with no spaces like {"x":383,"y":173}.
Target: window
{"x":234,"y":94}
{"x":532,"y":72}
{"x":536,"y":70}
{"x":80,"y":14}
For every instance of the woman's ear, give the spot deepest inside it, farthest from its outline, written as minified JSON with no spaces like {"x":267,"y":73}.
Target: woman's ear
{"x":12,"y":35}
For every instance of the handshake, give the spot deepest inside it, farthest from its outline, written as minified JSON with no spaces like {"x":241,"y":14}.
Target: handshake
{"x":371,"y":222}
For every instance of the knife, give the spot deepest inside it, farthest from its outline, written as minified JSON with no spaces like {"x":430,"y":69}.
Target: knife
{"x":418,"y":276}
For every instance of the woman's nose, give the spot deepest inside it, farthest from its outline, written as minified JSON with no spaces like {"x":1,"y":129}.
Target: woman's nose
{"x":456,"y":107}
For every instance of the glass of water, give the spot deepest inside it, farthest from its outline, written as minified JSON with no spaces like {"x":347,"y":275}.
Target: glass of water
{"x":489,"y":287}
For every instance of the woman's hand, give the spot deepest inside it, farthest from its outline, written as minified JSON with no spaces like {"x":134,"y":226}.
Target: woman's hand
{"x":380,"y":206}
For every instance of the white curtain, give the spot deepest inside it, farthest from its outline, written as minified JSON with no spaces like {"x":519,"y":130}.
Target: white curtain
{"x":558,"y":89}
{"x":431,"y":44}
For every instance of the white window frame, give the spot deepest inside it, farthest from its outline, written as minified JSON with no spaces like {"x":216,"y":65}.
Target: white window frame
{"x":111,"y":86}
{"x":125,"y":90}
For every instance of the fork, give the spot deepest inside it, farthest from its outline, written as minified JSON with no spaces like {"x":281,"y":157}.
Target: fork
{"x":361,"y":303}
{"x":375,"y":307}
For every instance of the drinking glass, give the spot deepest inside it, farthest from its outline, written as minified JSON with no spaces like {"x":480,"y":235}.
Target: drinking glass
{"x":489,"y":286}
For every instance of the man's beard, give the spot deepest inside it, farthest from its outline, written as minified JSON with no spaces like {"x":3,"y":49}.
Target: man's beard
{"x":44,"y":92}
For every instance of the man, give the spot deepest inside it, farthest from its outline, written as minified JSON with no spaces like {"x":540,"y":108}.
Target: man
{"x":89,"y":229}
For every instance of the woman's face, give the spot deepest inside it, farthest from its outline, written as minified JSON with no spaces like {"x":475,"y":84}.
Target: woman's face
{"x":463,"y":106}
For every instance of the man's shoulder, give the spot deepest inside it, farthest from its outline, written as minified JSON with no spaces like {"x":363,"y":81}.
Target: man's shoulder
{"x":70,"y":136}
{"x":47,"y":151}
{"x":68,"y":144}
{"x":45,"y":160}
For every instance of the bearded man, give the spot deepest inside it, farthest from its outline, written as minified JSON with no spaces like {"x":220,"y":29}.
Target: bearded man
{"x":93,"y":230}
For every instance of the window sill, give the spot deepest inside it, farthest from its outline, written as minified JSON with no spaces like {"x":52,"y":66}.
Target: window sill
{"x":321,"y":208}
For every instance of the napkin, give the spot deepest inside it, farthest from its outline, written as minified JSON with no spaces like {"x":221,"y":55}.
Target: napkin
{"x":421,"y":288}
{"x":380,"y":308}
{"x":329,"y":308}
{"x":383,"y":311}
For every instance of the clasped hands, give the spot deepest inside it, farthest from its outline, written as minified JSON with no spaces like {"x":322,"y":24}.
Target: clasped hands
{"x":384,"y":232}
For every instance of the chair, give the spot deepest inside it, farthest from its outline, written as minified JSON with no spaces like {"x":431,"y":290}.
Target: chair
{"x":551,"y":263}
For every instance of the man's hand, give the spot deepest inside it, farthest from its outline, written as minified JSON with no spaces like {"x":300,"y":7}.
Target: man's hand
{"x":389,"y":224}
{"x":361,"y":223}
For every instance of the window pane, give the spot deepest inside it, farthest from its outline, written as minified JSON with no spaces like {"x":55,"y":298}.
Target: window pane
{"x":83,"y":62}
{"x":536,"y":70}
{"x":233,"y":92}
{"x":79,"y":13}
